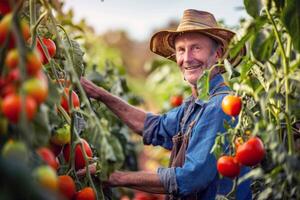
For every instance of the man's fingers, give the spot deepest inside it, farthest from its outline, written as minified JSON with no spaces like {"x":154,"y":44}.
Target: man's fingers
{"x":92,"y":169}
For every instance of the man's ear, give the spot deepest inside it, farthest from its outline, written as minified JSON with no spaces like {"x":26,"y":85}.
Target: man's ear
{"x":219,"y":52}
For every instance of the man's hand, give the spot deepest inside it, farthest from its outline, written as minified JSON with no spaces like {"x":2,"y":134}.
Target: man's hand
{"x":90,"y":88}
{"x":92,"y":169}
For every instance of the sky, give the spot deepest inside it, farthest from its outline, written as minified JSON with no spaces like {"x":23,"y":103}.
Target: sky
{"x":140,"y":17}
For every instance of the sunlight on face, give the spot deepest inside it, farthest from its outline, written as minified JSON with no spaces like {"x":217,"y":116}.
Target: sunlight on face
{"x":194,"y":53}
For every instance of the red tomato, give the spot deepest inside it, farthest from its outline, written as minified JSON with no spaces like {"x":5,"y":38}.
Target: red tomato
{"x":251,"y":152}
{"x":79,"y":159}
{"x":11,"y":107}
{"x":64,"y":102}
{"x":66,"y":186}
{"x":48,"y":157}
{"x":228,"y":166}
{"x":232,"y":105}
{"x":51,"y":47}
{"x":86,"y":193}
{"x":176,"y":100}
{"x":36,"y":88}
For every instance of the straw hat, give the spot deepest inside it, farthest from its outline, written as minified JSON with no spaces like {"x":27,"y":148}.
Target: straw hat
{"x":162,"y":43}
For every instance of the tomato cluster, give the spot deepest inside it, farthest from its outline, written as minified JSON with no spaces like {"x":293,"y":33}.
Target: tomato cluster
{"x":250,"y":153}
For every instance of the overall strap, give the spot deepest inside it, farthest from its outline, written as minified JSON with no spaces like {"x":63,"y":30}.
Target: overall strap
{"x":191,"y":125}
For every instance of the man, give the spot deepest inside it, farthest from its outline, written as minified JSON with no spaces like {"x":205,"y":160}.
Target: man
{"x":190,"y":129}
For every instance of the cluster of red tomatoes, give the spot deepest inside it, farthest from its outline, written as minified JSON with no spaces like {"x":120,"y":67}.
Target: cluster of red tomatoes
{"x":249,"y":153}
{"x":24,"y":87}
{"x":47,"y":176}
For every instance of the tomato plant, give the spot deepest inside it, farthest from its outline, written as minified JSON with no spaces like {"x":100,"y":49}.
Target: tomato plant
{"x":66,"y":186}
{"x":228,"y":166}
{"x":251,"y":152}
{"x":86,"y":193}
{"x":231,"y":105}
{"x":79,"y":157}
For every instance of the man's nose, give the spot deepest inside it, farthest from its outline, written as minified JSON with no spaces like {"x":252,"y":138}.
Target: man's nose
{"x":188,"y":55}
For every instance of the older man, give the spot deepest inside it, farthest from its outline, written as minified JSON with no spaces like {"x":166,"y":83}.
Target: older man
{"x":190,"y":129}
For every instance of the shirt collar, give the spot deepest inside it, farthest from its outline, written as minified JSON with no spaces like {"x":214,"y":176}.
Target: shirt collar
{"x":213,"y":84}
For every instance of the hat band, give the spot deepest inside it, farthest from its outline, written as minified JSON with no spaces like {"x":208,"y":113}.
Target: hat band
{"x":190,"y":24}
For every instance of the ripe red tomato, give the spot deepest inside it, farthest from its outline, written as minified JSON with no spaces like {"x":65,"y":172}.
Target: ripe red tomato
{"x":227,"y":166}
{"x":176,"y":100}
{"x":46,"y":177}
{"x":62,"y":135}
{"x":232,"y":105}
{"x":48,"y":157}
{"x":79,"y":159}
{"x":66,"y":186}
{"x":36,"y":88}
{"x":11,"y":107}
{"x":13,"y":76}
{"x":64,"y":101}
{"x":51,"y":47}
{"x":86,"y":193}
{"x":251,"y":152}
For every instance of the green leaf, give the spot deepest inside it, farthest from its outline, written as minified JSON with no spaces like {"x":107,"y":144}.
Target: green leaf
{"x":263,"y":46}
{"x":203,"y":86}
{"x":76,"y":55}
{"x":252,"y":7}
{"x":291,"y":20}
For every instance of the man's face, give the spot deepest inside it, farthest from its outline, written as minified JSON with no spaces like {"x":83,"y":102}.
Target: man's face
{"x":195,"y":52}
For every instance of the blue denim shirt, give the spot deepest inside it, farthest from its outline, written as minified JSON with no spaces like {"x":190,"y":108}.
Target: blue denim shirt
{"x":199,"y":172}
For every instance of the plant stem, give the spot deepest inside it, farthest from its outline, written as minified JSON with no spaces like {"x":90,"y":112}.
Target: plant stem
{"x":286,"y":83}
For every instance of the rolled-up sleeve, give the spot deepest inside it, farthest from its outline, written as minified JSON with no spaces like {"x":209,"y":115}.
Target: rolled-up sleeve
{"x":159,"y":129}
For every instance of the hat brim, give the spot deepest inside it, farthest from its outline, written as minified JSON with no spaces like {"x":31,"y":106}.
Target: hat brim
{"x":162,"y":43}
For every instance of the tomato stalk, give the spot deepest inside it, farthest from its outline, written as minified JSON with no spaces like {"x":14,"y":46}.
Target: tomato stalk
{"x":232,"y":193}
{"x":291,"y":149}
{"x":17,"y":33}
{"x":75,"y":80}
